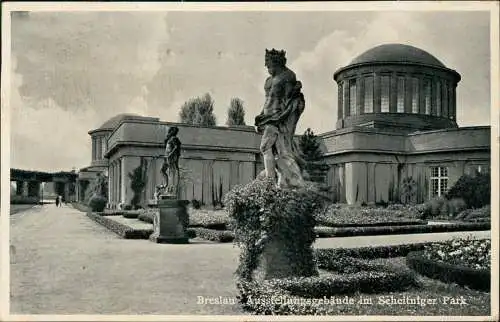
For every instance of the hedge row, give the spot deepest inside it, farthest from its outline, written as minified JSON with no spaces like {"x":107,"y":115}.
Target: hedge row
{"x":79,"y":206}
{"x":146,"y":216}
{"x":303,"y":292}
{"x":120,"y":229}
{"x":330,"y":256}
{"x":328,"y":223}
{"x":222,"y":236}
{"x":396,"y":230}
{"x":448,"y":273}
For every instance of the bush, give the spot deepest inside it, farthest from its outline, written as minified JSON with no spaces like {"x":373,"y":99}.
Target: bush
{"x":264,"y":213}
{"x":476,"y":215}
{"x":475,"y":190}
{"x":443,"y":208}
{"x":97,"y":203}
{"x":130,"y":214}
{"x":195,"y":204}
{"x":448,"y":273}
{"x":146,"y":216}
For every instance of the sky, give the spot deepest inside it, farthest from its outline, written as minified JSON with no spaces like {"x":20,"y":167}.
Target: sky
{"x":71,"y":71}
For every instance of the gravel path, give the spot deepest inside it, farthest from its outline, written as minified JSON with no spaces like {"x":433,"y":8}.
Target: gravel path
{"x":64,"y":263}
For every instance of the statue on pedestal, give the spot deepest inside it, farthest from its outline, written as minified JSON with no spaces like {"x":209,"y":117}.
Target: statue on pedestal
{"x":170,"y":167}
{"x":277,"y":122}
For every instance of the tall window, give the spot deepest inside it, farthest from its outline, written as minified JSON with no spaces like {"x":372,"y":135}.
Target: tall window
{"x":427,"y":92}
{"x":415,"y":95}
{"x":341,"y":98}
{"x":439,"y":181}
{"x":445,"y":99}
{"x":352,"y":96}
{"x":384,"y":93}
{"x":369,"y":95}
{"x":438,"y":99}
{"x":346,"y":99}
{"x":401,"y":95}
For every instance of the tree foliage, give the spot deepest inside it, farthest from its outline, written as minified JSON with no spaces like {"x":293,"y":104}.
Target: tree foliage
{"x":236,"y":112}
{"x":198,"y":111}
{"x":310,"y":146}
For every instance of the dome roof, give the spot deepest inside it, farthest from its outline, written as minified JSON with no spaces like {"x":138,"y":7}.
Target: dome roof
{"x":115,"y":120}
{"x":398,"y":53}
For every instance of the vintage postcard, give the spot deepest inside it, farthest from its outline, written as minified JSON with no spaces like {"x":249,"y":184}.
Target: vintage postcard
{"x":233,"y":161}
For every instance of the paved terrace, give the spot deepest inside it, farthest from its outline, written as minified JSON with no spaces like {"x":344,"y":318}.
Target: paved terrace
{"x":64,"y":263}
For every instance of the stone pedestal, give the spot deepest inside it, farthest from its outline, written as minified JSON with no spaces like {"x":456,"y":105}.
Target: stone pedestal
{"x":170,"y":223}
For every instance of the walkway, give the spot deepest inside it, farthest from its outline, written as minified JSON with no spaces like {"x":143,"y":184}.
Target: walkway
{"x":64,"y":263}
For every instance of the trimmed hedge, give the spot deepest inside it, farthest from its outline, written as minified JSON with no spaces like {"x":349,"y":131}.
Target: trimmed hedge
{"x":357,"y":276}
{"x":146,"y":216}
{"x":81,"y":207}
{"x":465,"y":276}
{"x":323,"y":222}
{"x":130,"y":214}
{"x":120,"y":229}
{"x":329,"y":256}
{"x":222,"y":236}
{"x":396,"y":230}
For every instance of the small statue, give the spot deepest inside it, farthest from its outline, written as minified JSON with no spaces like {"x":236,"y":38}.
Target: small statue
{"x":170,"y":168}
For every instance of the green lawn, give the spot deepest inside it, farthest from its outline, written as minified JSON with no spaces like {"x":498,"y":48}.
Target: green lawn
{"x":14,"y":209}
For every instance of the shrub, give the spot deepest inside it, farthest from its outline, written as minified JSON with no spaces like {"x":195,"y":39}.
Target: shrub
{"x":210,"y":219}
{"x":474,"y":278}
{"x":97,"y":203}
{"x":196,"y":204}
{"x":456,"y":206}
{"x":473,"y":189}
{"x":264,"y":213}
{"x":120,"y":229}
{"x":476,"y":215}
{"x":146,"y":216}
{"x":130,"y":214}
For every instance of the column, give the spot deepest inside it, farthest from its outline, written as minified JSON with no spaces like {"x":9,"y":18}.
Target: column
{"x":393,"y":94}
{"x":93,"y":149}
{"x":110,"y":183}
{"x":360,"y":90}
{"x":340,"y":100}
{"x":376,"y":93}
{"x":444,"y":98}
{"x":25,"y":188}
{"x":408,"y":93}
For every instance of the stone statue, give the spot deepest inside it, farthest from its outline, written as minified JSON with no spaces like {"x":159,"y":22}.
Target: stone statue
{"x":277,"y":122}
{"x":170,"y":168}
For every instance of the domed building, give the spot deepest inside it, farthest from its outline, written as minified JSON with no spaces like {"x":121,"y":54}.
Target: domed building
{"x":396,"y":139}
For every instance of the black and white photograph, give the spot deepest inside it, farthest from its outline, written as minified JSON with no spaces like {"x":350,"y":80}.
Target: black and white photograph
{"x":237,"y":161}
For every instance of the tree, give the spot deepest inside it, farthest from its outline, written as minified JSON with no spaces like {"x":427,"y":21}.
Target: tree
{"x":310,"y":146}
{"x":235,"y":112}
{"x":198,"y":111}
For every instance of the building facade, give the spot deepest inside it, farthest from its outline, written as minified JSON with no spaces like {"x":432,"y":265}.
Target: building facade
{"x":396,"y":126}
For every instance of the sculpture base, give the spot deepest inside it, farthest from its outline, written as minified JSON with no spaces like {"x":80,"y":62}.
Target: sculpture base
{"x":170,"y":223}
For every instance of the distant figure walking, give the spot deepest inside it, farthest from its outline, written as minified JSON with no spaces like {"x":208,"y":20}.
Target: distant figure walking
{"x":57,"y":201}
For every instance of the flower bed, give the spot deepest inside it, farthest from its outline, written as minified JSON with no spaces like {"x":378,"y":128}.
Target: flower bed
{"x":222,"y":236}
{"x":476,"y":215}
{"x":462,"y":261}
{"x":341,"y":215}
{"x":466,"y":252}
{"x":211,"y":219}
{"x":324,"y":232}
